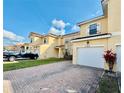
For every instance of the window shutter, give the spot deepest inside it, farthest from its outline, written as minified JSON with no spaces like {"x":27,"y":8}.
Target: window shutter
{"x":87,"y":31}
{"x":98,"y":28}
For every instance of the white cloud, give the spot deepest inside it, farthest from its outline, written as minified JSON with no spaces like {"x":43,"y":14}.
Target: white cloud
{"x":8,"y":35}
{"x":75,"y":28}
{"x":58,"y":27}
{"x":68,"y":24}
{"x":55,"y":31}
{"x":59,"y":24}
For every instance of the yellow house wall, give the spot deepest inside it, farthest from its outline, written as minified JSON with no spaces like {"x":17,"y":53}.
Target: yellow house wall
{"x":114,"y":23}
{"x":69,"y":37}
{"x":114,"y":15}
{"x":110,"y":24}
{"x":37,"y":39}
{"x":60,"y":41}
{"x":48,"y":50}
{"x":113,"y":42}
{"x":69,"y":45}
{"x":103,"y":26}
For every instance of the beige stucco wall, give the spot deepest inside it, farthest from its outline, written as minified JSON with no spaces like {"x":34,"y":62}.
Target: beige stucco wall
{"x":103,"y":22}
{"x":60,"y":41}
{"x":114,"y":15}
{"x":113,"y":42}
{"x":37,"y":39}
{"x":48,"y":50}
{"x":103,"y":26}
{"x":114,"y":24}
{"x":69,"y":37}
{"x":109,"y":24}
{"x":69,"y":45}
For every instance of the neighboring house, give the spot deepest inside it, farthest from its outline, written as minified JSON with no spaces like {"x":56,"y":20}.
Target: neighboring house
{"x":19,"y":47}
{"x":44,"y":44}
{"x":98,"y":35}
{"x":23,"y":47}
{"x":51,"y":45}
{"x":10,"y":48}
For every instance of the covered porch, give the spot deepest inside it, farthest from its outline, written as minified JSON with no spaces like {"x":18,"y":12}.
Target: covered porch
{"x":60,"y":50}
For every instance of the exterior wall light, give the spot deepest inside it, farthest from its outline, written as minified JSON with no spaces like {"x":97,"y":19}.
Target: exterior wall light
{"x":88,"y":43}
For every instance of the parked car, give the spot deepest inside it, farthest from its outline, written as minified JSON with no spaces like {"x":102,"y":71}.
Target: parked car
{"x":11,"y":56}
{"x":29,"y":55}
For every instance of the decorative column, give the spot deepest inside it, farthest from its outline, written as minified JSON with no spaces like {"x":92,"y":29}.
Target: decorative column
{"x":60,"y":53}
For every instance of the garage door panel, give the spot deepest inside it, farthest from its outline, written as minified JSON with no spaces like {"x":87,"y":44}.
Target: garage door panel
{"x":90,"y":57}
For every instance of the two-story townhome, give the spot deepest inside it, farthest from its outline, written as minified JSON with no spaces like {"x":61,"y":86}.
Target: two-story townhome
{"x":43,"y":44}
{"x":51,"y":45}
{"x":87,"y":46}
{"x":98,"y":35}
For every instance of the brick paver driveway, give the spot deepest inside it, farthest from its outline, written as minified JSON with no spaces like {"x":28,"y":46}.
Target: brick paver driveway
{"x":62,"y":77}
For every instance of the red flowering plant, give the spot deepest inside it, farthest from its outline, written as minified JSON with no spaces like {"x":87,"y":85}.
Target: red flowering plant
{"x":110,"y":58}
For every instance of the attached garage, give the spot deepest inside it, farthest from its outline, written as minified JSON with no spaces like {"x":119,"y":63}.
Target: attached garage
{"x":118,"y":51}
{"x":91,"y":56}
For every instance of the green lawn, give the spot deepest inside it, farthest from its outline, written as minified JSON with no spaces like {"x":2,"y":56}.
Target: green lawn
{"x":28,"y":63}
{"x":108,"y":85}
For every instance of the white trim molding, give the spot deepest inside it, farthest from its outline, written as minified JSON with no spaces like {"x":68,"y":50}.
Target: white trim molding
{"x":116,"y":33}
{"x":92,"y":38}
{"x":90,"y":46}
{"x":118,"y":44}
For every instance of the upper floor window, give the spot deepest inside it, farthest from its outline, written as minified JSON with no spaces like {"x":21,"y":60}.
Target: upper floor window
{"x":93,"y":29}
{"x":67,"y":41}
{"x":45,"y":41}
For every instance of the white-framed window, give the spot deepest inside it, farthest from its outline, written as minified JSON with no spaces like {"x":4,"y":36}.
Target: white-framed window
{"x":94,"y":28}
{"x":67,"y":41}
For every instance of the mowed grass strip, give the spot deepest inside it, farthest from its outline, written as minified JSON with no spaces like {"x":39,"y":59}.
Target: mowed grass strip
{"x":28,"y":63}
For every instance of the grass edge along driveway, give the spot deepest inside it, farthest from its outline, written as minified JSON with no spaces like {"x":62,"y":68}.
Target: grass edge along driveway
{"x":28,"y":63}
{"x":108,"y":84}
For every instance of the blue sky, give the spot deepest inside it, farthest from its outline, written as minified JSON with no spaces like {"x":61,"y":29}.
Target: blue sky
{"x":24,"y":16}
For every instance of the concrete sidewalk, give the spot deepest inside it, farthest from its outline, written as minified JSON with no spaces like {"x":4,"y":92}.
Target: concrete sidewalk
{"x":7,"y":87}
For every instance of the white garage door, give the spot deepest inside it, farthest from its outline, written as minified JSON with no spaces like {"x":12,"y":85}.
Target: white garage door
{"x":91,"y":57}
{"x":118,"y":51}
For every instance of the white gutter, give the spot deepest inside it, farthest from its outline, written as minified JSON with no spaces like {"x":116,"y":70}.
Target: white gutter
{"x":92,"y":38}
